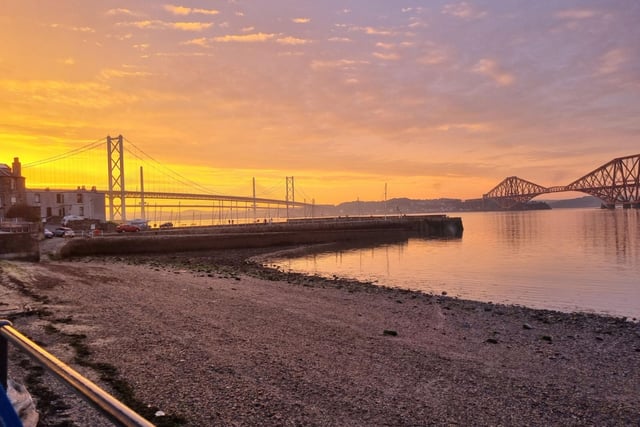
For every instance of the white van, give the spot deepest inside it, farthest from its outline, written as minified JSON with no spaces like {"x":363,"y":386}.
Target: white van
{"x":67,"y":219}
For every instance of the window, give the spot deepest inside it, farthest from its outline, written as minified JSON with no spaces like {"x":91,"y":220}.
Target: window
{"x":79,"y":198}
{"x":36,"y":198}
{"x":59,"y":198}
{"x":81,"y":210}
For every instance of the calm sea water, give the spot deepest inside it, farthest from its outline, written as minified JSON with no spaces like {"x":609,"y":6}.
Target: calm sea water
{"x":564,"y":259}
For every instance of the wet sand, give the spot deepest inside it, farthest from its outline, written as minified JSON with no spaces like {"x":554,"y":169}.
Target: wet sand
{"x":211,"y":339}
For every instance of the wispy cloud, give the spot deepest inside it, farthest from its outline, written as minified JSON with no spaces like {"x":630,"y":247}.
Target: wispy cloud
{"x":340,"y":39}
{"x":292,"y":41}
{"x":111,"y":73}
{"x":245,"y":38}
{"x":490,"y":68}
{"x":372,"y":31}
{"x":385,"y":45}
{"x":184,"y":11}
{"x":163,"y":25}
{"x":67,"y":61}
{"x":301,"y":20}
{"x":72,"y":28}
{"x":433,"y":54}
{"x":611,"y":61}
{"x":463,"y":10}
{"x":576,"y":14}
{"x":202,"y":41}
{"x":90,"y":95}
{"x":469,"y":127}
{"x":340,"y":63}
{"x":386,"y":56}
{"x":121,"y":11}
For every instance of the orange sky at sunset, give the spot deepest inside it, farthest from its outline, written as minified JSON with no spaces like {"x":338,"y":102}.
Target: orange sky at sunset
{"x":434,"y":98}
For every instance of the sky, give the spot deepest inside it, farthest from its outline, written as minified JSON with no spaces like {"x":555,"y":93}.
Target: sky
{"x":426,"y":98}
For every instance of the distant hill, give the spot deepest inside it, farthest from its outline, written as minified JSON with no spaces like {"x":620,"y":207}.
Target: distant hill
{"x":580,"y":202}
{"x":399,"y":206}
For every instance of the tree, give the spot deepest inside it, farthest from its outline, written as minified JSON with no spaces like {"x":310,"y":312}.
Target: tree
{"x":26,"y":212}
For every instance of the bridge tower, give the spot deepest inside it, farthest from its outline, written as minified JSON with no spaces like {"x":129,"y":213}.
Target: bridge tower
{"x":291,"y":195}
{"x":115,"y":157}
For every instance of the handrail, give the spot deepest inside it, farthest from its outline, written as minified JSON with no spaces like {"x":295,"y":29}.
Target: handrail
{"x":109,"y":406}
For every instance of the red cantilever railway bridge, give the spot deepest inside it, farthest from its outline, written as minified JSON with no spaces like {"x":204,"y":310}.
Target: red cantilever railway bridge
{"x":614,"y":183}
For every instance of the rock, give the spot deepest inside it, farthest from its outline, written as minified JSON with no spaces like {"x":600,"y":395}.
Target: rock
{"x":160,"y":414}
{"x":527,"y":326}
{"x":390,"y":332}
{"x":547,"y":338}
{"x":492,"y":341}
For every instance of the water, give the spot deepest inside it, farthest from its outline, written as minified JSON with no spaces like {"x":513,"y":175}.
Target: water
{"x":565,"y":259}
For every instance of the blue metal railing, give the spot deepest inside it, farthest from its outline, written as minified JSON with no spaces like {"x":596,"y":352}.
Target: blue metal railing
{"x":109,"y":406}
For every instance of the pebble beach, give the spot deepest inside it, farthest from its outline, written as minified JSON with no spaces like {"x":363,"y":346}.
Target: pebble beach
{"x":216,"y":339}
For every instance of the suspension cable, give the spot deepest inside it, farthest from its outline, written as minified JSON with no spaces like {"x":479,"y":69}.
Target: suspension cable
{"x":177,"y":176}
{"x":70,"y":153}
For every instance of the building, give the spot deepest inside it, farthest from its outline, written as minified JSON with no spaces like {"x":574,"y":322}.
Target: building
{"x":81,"y":202}
{"x":12,"y":187}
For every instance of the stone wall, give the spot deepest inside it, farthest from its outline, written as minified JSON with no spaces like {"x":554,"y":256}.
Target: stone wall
{"x":19,"y":246}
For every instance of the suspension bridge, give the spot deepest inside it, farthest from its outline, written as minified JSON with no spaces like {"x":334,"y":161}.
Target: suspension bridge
{"x":614,"y":183}
{"x":156,"y":185}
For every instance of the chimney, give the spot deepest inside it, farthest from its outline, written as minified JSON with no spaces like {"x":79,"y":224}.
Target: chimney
{"x":17,"y":167}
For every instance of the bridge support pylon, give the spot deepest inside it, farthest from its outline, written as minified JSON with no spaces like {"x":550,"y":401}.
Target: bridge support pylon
{"x":290,"y":195}
{"x":115,"y":158}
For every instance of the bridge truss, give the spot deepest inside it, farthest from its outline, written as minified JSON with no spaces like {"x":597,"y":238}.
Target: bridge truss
{"x":614,"y":183}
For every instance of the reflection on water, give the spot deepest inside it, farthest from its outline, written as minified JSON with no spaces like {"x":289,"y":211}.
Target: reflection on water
{"x":586,"y":260}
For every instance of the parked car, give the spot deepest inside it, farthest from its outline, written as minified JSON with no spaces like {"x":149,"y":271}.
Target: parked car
{"x":166,"y":225}
{"x":128,"y":228}
{"x":48,"y":234}
{"x":64,"y":232}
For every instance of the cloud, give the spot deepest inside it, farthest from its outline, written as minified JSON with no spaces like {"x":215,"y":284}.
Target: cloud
{"x":292,"y":41}
{"x":88,"y":95}
{"x":301,"y":20}
{"x":434,"y":55}
{"x":340,"y":39}
{"x":67,"y":61}
{"x":244,"y":38}
{"x":163,"y":25}
{"x":469,"y":127}
{"x":71,"y":28}
{"x":576,"y":14}
{"x":385,"y":45}
{"x":184,"y":11}
{"x":340,"y":63}
{"x":120,"y":11}
{"x":386,"y":56}
{"x":491,"y":69}
{"x":111,"y":73}
{"x":202,"y":41}
{"x":462,"y":10}
{"x":611,"y":61}
{"x":372,"y":31}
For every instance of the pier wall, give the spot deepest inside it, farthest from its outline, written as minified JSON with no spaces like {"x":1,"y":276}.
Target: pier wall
{"x":263,"y":235}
